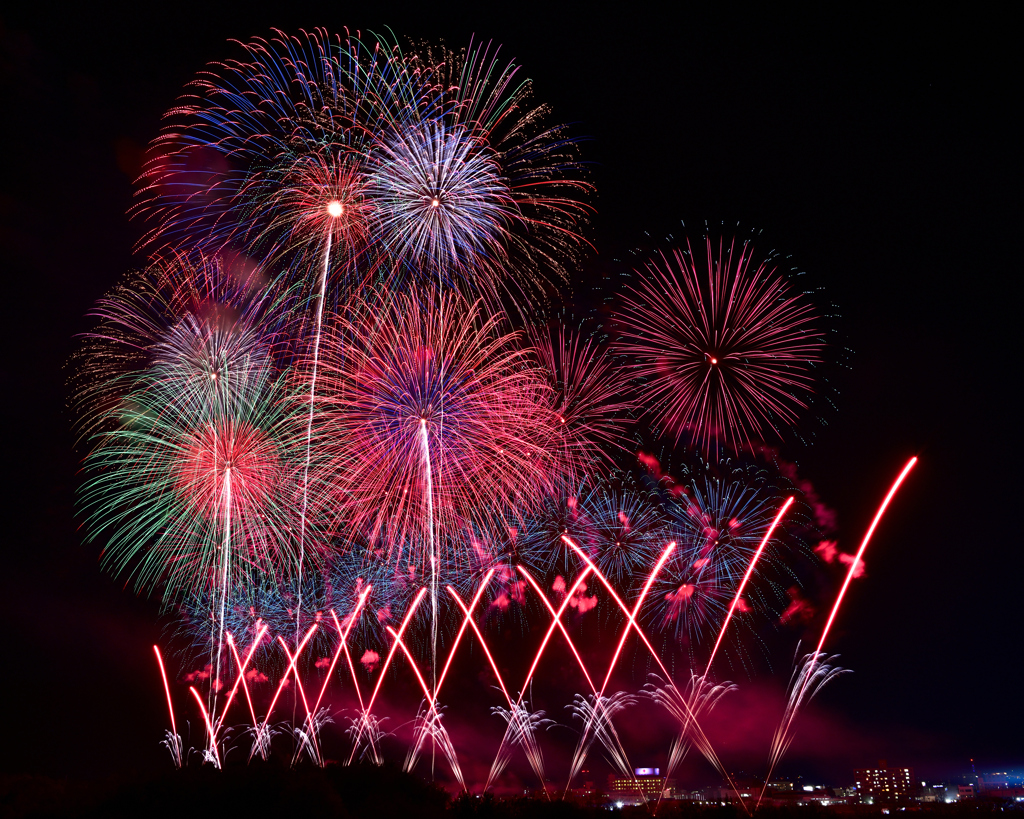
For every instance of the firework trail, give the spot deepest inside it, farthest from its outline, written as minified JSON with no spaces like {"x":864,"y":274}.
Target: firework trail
{"x":556,"y":622}
{"x":242,"y":666}
{"x":814,"y":671}
{"x":262,"y":736}
{"x":723,"y":347}
{"x":173,"y":740}
{"x":702,"y":741}
{"x":743,"y":583}
{"x":192,"y":458}
{"x":596,"y":713}
{"x":366,"y":722}
{"x":522,"y":725}
{"x":258,"y":147}
{"x":432,"y":415}
{"x":428,"y":721}
{"x":810,"y":675}
{"x":720,"y":519}
{"x":599,"y":695}
{"x":699,"y":699}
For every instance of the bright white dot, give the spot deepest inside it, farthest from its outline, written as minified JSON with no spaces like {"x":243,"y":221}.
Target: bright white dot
{"x":335,"y":209}
{"x":435,"y":202}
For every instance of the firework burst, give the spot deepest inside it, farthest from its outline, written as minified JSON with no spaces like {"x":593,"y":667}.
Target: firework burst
{"x":528,"y":172}
{"x":193,"y":457}
{"x":431,"y":409}
{"x":720,"y":518}
{"x":261,"y":149}
{"x":722,"y":345}
{"x":442,"y":206}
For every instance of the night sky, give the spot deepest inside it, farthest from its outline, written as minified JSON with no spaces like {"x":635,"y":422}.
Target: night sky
{"x":879,"y":151}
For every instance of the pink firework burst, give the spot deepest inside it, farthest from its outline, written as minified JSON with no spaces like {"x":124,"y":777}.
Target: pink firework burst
{"x":431,"y":415}
{"x":722,"y":344}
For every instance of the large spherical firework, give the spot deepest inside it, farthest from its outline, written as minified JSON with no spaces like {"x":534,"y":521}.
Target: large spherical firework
{"x":210,"y":327}
{"x":627,"y":532}
{"x":193,"y":458}
{"x":527,"y":177}
{"x":440,"y":204}
{"x":723,"y":346}
{"x":434,"y":416}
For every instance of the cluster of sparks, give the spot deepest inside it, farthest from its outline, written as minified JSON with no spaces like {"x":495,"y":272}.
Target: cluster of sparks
{"x":314,"y":431}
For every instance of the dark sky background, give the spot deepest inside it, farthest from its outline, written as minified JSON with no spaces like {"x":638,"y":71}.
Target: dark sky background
{"x":879,"y":150}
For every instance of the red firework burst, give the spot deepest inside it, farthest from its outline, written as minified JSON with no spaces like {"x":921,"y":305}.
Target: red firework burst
{"x":432,"y":415}
{"x":722,"y":345}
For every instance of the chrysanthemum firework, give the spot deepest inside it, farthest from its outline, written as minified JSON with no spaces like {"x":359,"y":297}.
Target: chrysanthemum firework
{"x":441,"y":206}
{"x":480,"y":187}
{"x":626,"y":531}
{"x":722,"y":345}
{"x":194,"y":452}
{"x":433,"y":415}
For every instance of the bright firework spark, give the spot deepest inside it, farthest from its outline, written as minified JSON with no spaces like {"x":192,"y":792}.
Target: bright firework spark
{"x":723,"y":346}
{"x":813,"y":672}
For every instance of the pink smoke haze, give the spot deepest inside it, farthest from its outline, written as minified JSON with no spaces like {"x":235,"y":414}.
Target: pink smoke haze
{"x":370,"y":660}
{"x":800,"y":610}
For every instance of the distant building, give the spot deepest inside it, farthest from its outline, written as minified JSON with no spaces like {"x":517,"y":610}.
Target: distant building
{"x":1001,"y":786}
{"x":646,"y":781}
{"x":937,"y":792}
{"x":884,"y":784}
{"x":967,"y":791}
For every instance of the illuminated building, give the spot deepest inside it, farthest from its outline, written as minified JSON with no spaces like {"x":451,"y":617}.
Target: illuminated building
{"x":647,"y":781}
{"x":884,"y":784}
